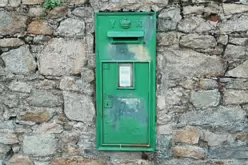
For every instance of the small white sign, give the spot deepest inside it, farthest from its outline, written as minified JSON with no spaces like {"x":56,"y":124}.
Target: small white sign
{"x":125,"y":75}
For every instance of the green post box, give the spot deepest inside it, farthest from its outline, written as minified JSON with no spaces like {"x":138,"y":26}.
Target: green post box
{"x":126,"y":81}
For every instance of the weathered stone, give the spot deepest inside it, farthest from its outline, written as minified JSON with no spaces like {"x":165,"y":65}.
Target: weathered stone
{"x":36,"y":11}
{"x":32,"y":2}
{"x":229,"y":153}
{"x":213,"y":139}
{"x":168,"y":39}
{"x":77,"y":2}
{"x":196,"y":41}
{"x":235,"y":97}
{"x":41,"y":163}
{"x":234,"y":8}
{"x":189,"y":63}
{"x":234,"y":52}
{"x":39,"y":39}
{"x":78,"y":107}
{"x":223,"y":39}
{"x":12,"y":23}
{"x":40,"y":27}
{"x":238,"y":41}
{"x":130,"y":162}
{"x":168,"y":19}
{"x":68,"y":83}
{"x":58,"y":12}
{"x":40,"y":145}
{"x":71,"y":28}
{"x":3,"y":3}
{"x":138,"y":5}
{"x":240,"y":71}
{"x":189,"y":135}
{"x":231,"y":83}
{"x":205,"y":10}
{"x":194,"y":24}
{"x":208,"y":84}
{"x":235,"y":25}
{"x":204,"y":99}
{"x":18,"y":86}
{"x":14,"y":3}
{"x":4,"y":149}
{"x":20,"y":160}
{"x":161,"y":102}
{"x":38,"y":117}
{"x":19,"y":61}
{"x":11,"y":42}
{"x":48,"y":128}
{"x":44,"y":99}
{"x":62,"y":57}
{"x":224,"y":118}
{"x":86,"y":13}
{"x":188,"y":152}
{"x":165,"y":129}
{"x":87,"y":75}
{"x":77,"y":160}
{"x":11,"y":100}
{"x":7,"y":137}
{"x":46,"y":84}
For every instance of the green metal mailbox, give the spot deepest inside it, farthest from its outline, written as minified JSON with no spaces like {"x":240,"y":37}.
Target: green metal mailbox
{"x":126,"y":81}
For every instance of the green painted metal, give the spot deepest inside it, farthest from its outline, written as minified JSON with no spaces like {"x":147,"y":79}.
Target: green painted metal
{"x":126,"y":81}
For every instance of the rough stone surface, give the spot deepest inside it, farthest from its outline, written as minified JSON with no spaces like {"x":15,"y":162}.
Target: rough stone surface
{"x":208,"y":84}
{"x":78,"y":107}
{"x":77,"y":160}
{"x":235,"y":97}
{"x":214,"y":139}
{"x":18,"y":86}
{"x":14,"y":3}
{"x":41,"y":98}
{"x":239,"y":71}
{"x":203,"y":99}
{"x":32,"y":2}
{"x":19,"y":61}
{"x":8,"y":137}
{"x":196,"y":41}
{"x":189,"y":152}
{"x":229,"y":153}
{"x":226,"y":118}
{"x":168,"y":19}
{"x":62,"y":57}
{"x":189,"y":135}
{"x":20,"y":160}
{"x":190,"y":63}
{"x":35,"y":12}
{"x":40,"y":145}
{"x":71,"y":28}
{"x":234,"y":8}
{"x":38,"y":117}
{"x":236,"y":25}
{"x":11,"y":42}
{"x":12,"y":23}
{"x":40,"y":27}
{"x":3,"y":3}
{"x":234,"y":52}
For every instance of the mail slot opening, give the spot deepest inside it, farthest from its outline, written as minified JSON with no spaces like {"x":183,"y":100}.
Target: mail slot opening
{"x":125,"y":38}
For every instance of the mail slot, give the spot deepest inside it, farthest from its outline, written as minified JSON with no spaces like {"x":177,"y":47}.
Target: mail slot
{"x":126,"y":81}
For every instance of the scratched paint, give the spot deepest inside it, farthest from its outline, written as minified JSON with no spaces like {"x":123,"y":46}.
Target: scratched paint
{"x":150,"y":28}
{"x":140,"y":51}
{"x":120,"y":52}
{"x":128,"y":108}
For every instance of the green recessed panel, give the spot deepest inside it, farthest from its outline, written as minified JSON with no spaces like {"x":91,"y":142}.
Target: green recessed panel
{"x":126,"y":81}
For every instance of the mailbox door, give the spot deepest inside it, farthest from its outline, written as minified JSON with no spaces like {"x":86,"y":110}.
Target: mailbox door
{"x":126,"y":104}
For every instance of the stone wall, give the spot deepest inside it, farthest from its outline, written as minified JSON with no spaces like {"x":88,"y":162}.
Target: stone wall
{"x":47,"y":94}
